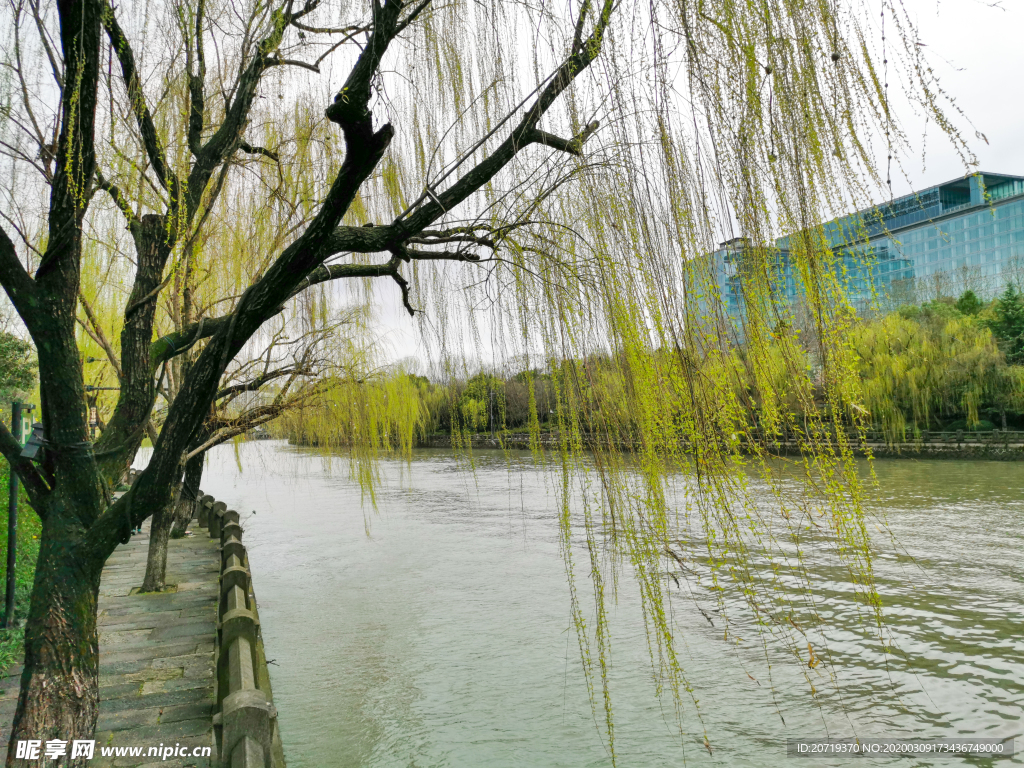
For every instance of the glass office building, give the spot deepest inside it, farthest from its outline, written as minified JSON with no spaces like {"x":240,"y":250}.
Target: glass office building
{"x":966,"y":233}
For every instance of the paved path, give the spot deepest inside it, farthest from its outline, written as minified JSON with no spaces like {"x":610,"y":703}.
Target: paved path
{"x":156,"y":654}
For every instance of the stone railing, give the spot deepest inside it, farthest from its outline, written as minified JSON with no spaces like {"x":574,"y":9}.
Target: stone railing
{"x":245,"y":724}
{"x":925,"y":441}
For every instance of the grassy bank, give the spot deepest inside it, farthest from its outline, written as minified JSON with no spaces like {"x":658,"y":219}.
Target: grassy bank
{"x":29,"y":531}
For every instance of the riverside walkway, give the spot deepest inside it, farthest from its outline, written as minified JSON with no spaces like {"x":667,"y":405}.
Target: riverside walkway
{"x":156,"y":655}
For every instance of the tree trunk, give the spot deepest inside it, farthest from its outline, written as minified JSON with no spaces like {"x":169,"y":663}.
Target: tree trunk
{"x":175,"y":515}
{"x":186,"y":507}
{"x":60,"y":682}
{"x":159,"y":533}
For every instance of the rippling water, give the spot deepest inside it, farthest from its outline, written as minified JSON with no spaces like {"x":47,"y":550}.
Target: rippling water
{"x":437,"y":631}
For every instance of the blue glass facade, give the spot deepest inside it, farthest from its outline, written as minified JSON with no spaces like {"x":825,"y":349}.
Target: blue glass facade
{"x":966,"y":233}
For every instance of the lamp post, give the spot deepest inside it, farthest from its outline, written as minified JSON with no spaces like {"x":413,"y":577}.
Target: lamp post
{"x":94,"y":417}
{"x":12,"y":519}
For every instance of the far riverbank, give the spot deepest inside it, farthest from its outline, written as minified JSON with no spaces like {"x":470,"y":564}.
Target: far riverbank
{"x":995,"y":445}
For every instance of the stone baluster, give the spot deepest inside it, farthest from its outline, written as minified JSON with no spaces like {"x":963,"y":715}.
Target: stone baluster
{"x":216,"y":511}
{"x":203,"y":506}
{"x":247,"y":716}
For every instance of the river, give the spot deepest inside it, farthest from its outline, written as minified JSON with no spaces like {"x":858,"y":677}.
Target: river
{"x":436,"y":631}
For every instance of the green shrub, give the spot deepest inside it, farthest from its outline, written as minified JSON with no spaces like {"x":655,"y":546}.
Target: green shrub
{"x":29,"y":531}
{"x":981,"y":426}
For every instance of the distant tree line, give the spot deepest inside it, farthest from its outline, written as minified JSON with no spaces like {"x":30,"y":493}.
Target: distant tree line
{"x":945,"y":364}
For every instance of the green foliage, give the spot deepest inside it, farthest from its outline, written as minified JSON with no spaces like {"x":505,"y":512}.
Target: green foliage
{"x":1007,"y":324}
{"x":969,"y":303}
{"x":935,"y":311}
{"x":29,"y":531}
{"x":919,"y":365}
{"x":17,"y":366}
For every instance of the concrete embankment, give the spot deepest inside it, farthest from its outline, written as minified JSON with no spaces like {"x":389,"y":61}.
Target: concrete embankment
{"x":997,"y":445}
{"x":184,"y":668}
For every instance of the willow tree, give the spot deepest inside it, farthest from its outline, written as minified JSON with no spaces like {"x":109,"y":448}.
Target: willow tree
{"x":921,"y":364}
{"x":505,"y":175}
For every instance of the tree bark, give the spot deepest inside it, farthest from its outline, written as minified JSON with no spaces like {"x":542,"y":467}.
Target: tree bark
{"x":174,"y":516}
{"x":59,"y":684}
{"x":119,"y":442}
{"x":159,"y":533}
{"x":186,"y":507}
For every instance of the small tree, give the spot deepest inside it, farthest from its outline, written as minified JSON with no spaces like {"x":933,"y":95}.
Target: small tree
{"x":969,"y":303}
{"x":1007,"y":324}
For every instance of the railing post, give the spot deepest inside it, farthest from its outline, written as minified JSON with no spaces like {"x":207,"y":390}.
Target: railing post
{"x":204,"y":504}
{"x":246,"y":713}
{"x":216,"y":511}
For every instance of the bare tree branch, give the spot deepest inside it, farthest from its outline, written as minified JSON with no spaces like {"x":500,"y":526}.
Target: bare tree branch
{"x":573,"y":146}
{"x":137,"y":99}
{"x":20,"y":287}
{"x":524,"y":134}
{"x":246,"y":147}
{"x":196,"y":85}
{"x":277,"y":61}
{"x":118,"y":197}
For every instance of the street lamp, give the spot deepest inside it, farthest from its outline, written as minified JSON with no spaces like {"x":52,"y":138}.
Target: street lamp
{"x":17,"y":430}
{"x":34,"y":444}
{"x":94,"y":416}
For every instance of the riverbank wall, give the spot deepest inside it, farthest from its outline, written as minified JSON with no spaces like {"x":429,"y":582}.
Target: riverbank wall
{"x":997,"y":445}
{"x":245,"y":719}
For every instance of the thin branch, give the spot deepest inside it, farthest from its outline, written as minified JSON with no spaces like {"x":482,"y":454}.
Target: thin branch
{"x":308,"y":8}
{"x":259,"y":381}
{"x":350,"y":30}
{"x":573,"y":146}
{"x":137,"y":305}
{"x":412,"y":16}
{"x":253,"y":150}
{"x":118,"y":197}
{"x":440,"y":256}
{"x":277,"y":61}
{"x":24,"y":86}
{"x":524,"y":134}
{"x":55,"y":66}
{"x":150,"y":138}
{"x":404,"y":286}
{"x":99,"y":336}
{"x":333,"y":48}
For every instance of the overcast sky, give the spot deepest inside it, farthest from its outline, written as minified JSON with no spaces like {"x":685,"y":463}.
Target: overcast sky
{"x":975,"y":48}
